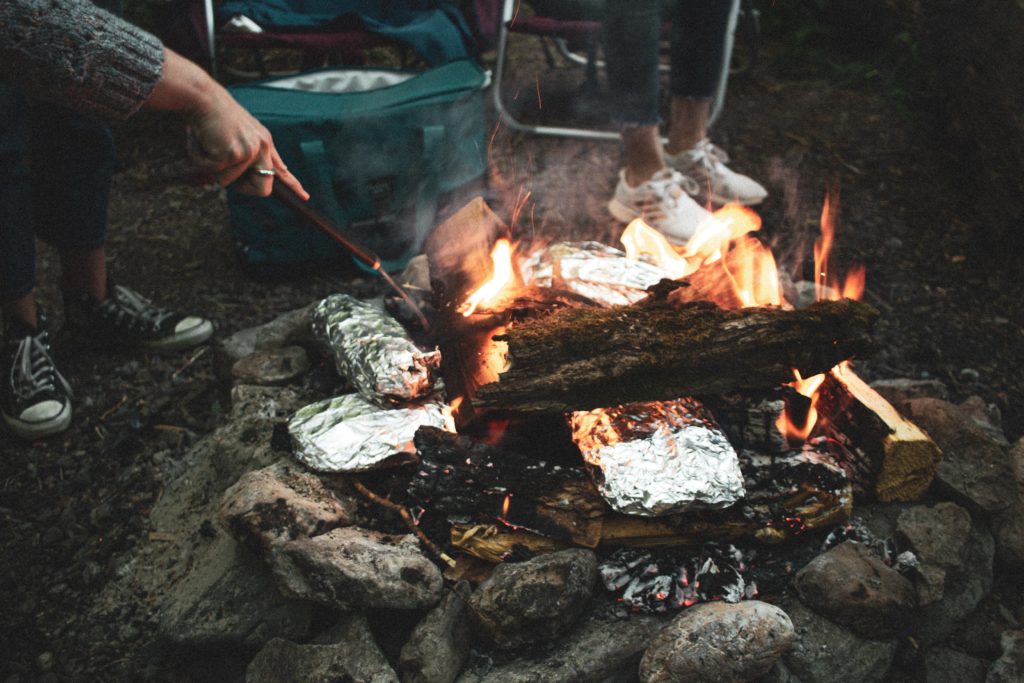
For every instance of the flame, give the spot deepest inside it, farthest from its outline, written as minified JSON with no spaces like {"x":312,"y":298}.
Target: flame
{"x":644,"y":243}
{"x":752,"y":271}
{"x":827,"y":285}
{"x":805,"y":387}
{"x":449,"y":412}
{"x":502,"y":275}
{"x":505,"y":504}
{"x":750,"y":275}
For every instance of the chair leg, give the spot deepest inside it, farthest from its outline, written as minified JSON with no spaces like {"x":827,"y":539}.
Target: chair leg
{"x":506,"y":116}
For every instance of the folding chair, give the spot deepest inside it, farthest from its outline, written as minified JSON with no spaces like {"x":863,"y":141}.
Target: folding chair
{"x":350,"y":44}
{"x":585,"y":32}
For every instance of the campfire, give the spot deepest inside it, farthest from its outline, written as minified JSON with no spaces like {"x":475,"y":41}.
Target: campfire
{"x":641,"y":398}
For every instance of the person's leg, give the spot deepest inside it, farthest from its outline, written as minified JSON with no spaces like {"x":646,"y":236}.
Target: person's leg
{"x":646,"y":187}
{"x":34,"y":397}
{"x":699,"y":30}
{"x":74,"y":161}
{"x":17,"y":244}
{"x":632,"y":31}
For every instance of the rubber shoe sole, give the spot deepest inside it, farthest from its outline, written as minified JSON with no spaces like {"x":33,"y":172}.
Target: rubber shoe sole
{"x":187,"y":338}
{"x":31,"y":431}
{"x":624,"y":214}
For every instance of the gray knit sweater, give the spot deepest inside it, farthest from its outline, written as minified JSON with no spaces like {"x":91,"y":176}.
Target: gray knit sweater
{"x":74,"y":53}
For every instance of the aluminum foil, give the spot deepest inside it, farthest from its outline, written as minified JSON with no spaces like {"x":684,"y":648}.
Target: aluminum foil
{"x":592,"y":269}
{"x":350,"y":434}
{"x":373,"y":352}
{"x":659,"y":458}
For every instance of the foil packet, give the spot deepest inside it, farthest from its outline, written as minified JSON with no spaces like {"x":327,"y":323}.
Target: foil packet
{"x":373,"y":352}
{"x":594,"y":270}
{"x":350,"y":434}
{"x":658,"y":458}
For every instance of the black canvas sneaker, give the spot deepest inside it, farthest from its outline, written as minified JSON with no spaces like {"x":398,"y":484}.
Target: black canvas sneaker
{"x":127,"y":319}
{"x":35,"y":397}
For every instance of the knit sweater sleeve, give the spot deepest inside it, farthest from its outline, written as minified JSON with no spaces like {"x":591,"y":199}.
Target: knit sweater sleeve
{"x":74,"y":53}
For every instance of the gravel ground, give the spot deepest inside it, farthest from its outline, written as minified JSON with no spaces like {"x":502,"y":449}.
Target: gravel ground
{"x":71,"y":505}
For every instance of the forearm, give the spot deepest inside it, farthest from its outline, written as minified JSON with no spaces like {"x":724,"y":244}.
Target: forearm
{"x":184,"y":88}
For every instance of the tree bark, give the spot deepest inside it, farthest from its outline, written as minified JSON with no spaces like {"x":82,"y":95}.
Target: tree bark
{"x":579,"y":359}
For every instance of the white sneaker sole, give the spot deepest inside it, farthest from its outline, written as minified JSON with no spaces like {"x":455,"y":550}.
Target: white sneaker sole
{"x":624,"y":214}
{"x":719,"y":200}
{"x":189,"y":338}
{"x":30,"y":431}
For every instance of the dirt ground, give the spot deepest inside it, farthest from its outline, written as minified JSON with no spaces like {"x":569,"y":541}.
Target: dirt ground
{"x":948,"y":292}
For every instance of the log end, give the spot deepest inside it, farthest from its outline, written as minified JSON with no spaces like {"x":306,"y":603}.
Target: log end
{"x":907,"y":470}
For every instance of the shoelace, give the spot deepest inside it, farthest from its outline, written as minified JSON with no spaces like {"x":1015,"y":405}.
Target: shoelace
{"x":669,"y":187}
{"x":33,"y":369}
{"x":131,"y":308}
{"x":710,"y":154}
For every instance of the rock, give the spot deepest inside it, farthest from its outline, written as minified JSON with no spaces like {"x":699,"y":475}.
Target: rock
{"x":896,"y":391}
{"x":597,"y":651}
{"x":439,"y":646}
{"x":1008,"y":529}
{"x":825,"y":652}
{"x":352,"y":656}
{"x":987,"y":416}
{"x":980,"y":633}
{"x":968,"y":580}
{"x":975,"y":467}
{"x":718,"y":641}
{"x":852,"y":586}
{"x":271,"y":367}
{"x":287,"y":328}
{"x":937,"y":535}
{"x":229,"y":598}
{"x":1009,"y":668}
{"x":534,"y":601}
{"x":1017,"y":462}
{"x":945,"y":665}
{"x":350,"y":567}
{"x":281,"y":503}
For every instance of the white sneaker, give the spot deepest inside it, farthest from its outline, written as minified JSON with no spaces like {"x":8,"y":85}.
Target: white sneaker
{"x":664,"y":202}
{"x":705,"y":163}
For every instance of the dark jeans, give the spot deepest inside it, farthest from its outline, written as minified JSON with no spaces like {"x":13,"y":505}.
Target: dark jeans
{"x":632,"y":31}
{"x":56,"y":168}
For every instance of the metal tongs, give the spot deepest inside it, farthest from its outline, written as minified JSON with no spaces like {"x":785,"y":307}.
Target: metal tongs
{"x":327,"y":227}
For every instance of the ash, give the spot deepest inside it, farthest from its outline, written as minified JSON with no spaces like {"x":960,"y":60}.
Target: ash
{"x":651,"y":581}
{"x":905,"y":561}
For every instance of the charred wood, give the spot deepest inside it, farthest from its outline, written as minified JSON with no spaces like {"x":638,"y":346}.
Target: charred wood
{"x":578,"y":359}
{"x":788,"y":495}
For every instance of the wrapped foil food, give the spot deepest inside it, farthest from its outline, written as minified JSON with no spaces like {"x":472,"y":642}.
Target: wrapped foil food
{"x":658,"y":458}
{"x":373,"y":352}
{"x":350,"y":434}
{"x":594,"y":270}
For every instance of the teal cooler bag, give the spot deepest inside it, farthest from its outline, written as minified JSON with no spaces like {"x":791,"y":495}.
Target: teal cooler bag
{"x":378,"y":150}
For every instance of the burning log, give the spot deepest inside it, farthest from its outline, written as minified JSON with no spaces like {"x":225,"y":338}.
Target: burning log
{"x":466,"y":479}
{"x":888,"y":455}
{"x":788,"y":495}
{"x":578,"y":359}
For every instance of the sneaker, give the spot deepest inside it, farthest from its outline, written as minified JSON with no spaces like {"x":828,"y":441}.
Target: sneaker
{"x":705,"y":163}
{"x":35,"y":397}
{"x":663,"y":202}
{"x":127,"y":319}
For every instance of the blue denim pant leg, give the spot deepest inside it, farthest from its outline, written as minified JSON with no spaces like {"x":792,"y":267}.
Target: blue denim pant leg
{"x":17,"y":245}
{"x":73,"y":161}
{"x":56,"y":168}
{"x":698,"y":47}
{"x":632,"y":32}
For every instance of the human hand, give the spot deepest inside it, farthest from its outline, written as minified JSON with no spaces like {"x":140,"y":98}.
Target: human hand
{"x":227,"y":141}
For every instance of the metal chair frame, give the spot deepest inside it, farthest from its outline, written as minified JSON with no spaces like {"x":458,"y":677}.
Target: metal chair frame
{"x":591,"y":63}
